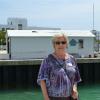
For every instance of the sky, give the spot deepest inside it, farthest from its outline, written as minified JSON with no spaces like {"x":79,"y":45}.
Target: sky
{"x":64,"y":14}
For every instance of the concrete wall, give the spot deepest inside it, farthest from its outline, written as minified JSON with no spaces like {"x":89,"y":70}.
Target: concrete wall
{"x":25,"y":76}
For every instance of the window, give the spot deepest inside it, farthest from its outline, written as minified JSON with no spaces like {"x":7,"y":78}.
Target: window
{"x":73,"y":42}
{"x":81,"y":44}
{"x":19,"y":26}
{"x":7,"y":28}
{"x":11,"y":23}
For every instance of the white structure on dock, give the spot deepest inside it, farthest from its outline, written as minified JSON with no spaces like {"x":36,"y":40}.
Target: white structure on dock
{"x":29,"y":44}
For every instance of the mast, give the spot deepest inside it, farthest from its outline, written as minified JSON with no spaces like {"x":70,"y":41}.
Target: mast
{"x":93,"y":16}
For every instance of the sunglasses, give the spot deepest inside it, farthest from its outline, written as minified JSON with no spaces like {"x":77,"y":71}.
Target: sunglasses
{"x":60,"y":42}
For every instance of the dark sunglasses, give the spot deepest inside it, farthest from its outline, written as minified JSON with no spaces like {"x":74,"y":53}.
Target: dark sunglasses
{"x":60,"y":42}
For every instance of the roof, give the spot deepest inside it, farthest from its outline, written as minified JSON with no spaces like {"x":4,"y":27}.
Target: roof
{"x":47,"y":33}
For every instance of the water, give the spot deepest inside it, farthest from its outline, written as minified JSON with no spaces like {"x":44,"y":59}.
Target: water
{"x":86,"y":92}
{"x":89,"y":92}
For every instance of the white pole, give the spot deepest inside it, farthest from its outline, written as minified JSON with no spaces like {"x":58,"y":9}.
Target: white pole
{"x":93,"y":16}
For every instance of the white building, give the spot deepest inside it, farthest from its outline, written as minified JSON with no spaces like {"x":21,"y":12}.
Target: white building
{"x":17,"y":23}
{"x":21,"y":24}
{"x":81,"y":43}
{"x":28,"y":44}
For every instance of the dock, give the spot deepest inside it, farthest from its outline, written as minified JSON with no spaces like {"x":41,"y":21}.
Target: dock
{"x":38,"y":61}
{"x":23,"y":73}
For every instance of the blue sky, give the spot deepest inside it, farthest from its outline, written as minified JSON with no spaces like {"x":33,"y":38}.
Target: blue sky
{"x":65,"y":14}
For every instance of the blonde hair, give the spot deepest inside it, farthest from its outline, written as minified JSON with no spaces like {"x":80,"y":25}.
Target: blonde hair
{"x":60,"y":35}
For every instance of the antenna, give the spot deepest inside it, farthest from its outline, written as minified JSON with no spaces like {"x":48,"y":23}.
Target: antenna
{"x":93,"y":16}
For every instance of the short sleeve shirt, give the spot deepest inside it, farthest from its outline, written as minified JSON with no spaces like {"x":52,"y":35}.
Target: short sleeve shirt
{"x":60,"y":75}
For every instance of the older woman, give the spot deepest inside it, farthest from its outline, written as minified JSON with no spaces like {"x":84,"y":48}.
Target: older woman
{"x":58,"y":75}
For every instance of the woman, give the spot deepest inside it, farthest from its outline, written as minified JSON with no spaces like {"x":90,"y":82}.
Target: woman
{"x":58,"y":75}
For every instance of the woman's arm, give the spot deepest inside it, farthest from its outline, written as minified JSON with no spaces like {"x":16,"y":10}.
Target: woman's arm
{"x":75,"y":92}
{"x":44,"y":90}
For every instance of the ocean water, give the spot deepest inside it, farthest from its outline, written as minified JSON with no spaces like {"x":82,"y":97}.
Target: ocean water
{"x":89,"y":92}
{"x":86,"y":92}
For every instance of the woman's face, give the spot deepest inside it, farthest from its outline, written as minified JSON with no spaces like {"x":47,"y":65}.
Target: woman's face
{"x":60,"y":44}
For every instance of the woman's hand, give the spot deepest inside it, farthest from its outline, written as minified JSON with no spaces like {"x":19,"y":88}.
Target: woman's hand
{"x":74,"y":92}
{"x":44,"y":90}
{"x":47,"y":98}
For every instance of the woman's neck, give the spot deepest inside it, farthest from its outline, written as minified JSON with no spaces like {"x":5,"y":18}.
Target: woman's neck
{"x":62,"y":55}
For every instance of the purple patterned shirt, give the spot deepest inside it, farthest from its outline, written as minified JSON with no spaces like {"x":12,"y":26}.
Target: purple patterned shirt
{"x":60,"y":75}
